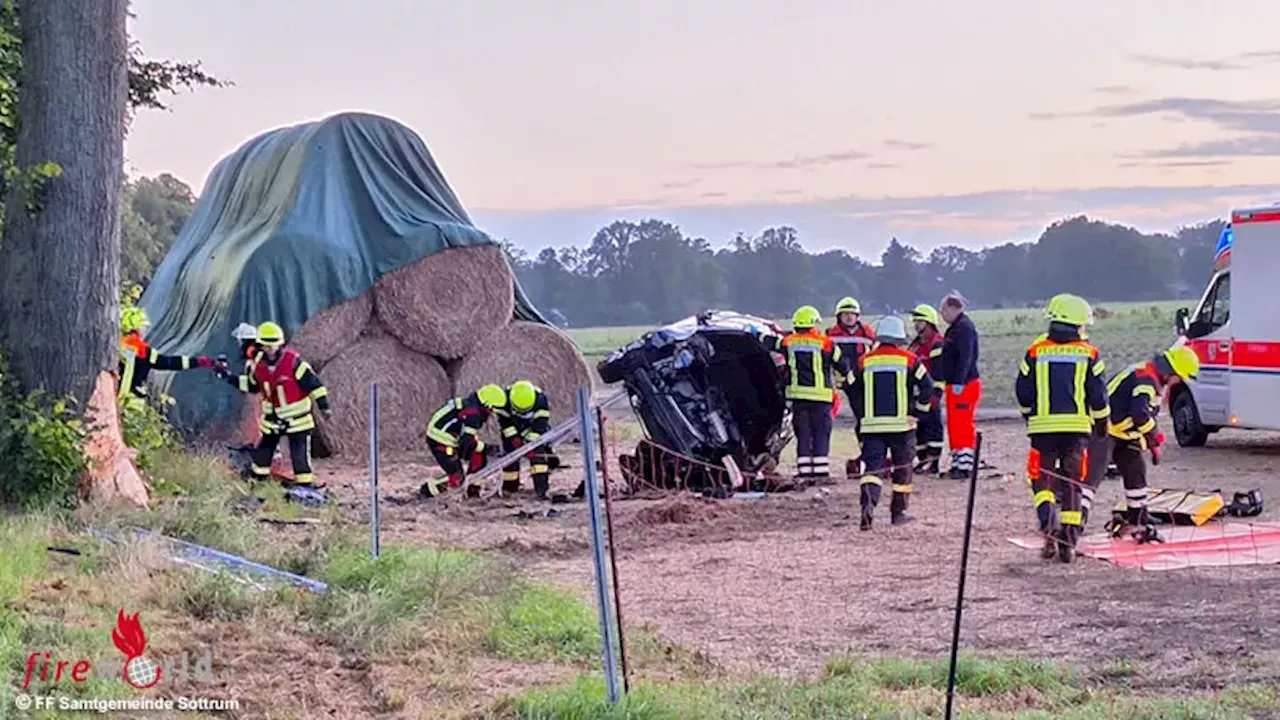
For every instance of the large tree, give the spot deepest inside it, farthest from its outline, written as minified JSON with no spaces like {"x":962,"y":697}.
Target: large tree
{"x":60,"y":258}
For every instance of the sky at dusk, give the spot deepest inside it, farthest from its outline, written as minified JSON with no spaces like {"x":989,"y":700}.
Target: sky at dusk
{"x":853,"y":120}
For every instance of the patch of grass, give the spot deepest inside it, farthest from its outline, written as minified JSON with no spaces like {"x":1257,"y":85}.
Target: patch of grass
{"x":404,"y":598}
{"x":538,"y":623}
{"x":206,"y":596}
{"x":855,"y":689}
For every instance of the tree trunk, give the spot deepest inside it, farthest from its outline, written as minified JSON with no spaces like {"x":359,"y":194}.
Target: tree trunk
{"x":60,"y":266}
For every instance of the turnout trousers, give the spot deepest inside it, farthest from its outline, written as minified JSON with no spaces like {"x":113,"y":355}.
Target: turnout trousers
{"x":1132,"y":465}
{"x":470,"y":450}
{"x":539,"y":467}
{"x":812,"y":424}
{"x":962,"y":430}
{"x":1058,"y":487}
{"x":929,"y":441}
{"x":888,"y":457}
{"x":299,"y":453}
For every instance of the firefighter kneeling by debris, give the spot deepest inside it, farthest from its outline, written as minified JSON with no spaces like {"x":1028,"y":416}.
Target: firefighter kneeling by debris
{"x":524,"y":419}
{"x":453,"y":436}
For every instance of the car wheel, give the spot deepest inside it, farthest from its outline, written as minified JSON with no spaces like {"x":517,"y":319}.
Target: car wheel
{"x":1187,"y":428}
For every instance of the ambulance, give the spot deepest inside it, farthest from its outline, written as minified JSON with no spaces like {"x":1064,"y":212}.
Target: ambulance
{"x":1235,"y":330}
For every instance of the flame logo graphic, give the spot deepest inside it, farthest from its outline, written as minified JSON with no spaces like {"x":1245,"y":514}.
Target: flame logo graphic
{"x":130,"y":639}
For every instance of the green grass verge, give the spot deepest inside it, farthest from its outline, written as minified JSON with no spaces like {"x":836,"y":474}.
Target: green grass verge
{"x":896,"y":688}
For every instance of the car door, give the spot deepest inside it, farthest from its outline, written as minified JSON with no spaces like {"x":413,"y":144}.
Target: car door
{"x":1209,"y":334}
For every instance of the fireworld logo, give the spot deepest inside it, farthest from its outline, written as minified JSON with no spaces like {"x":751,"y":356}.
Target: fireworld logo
{"x":137,"y":669}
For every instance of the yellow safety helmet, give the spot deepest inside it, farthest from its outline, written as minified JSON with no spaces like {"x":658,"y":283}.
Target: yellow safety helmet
{"x":133,"y":319}
{"x":270,"y":334}
{"x":926,"y":313}
{"x":522,"y":394}
{"x":806,"y":317}
{"x":1184,"y":362}
{"x":492,"y":396}
{"x":848,"y":304}
{"x":1070,"y":310}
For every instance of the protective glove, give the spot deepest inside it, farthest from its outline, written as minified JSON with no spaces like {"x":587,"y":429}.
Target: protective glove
{"x":204,"y":361}
{"x":1154,"y":444}
{"x":327,"y":412}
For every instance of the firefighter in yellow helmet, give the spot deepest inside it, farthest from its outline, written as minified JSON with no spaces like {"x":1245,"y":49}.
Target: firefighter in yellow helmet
{"x":813,"y":363}
{"x":927,"y":345}
{"x":524,"y":419}
{"x":138,"y":358}
{"x":891,"y":389}
{"x":453,"y":436}
{"x":291,"y":392}
{"x":1132,"y":433}
{"x":1063,"y":398}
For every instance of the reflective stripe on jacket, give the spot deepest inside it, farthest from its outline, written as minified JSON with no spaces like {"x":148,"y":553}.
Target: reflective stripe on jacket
{"x":890,"y":386}
{"x":1060,"y":387}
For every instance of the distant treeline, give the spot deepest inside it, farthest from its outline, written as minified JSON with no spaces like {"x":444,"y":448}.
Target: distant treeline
{"x":640,"y":273}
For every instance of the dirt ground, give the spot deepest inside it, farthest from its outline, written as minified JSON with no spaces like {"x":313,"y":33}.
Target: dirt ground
{"x":782,"y":583}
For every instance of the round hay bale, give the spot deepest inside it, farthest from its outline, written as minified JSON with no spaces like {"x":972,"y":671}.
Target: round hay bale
{"x":411,"y":387}
{"x":526,"y":351}
{"x":448,"y":302}
{"x":321,"y":338}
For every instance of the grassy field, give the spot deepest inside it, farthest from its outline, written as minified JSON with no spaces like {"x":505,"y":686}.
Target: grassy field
{"x":1124,"y":332}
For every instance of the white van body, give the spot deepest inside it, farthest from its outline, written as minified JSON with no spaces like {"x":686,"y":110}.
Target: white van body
{"x":1235,"y":330}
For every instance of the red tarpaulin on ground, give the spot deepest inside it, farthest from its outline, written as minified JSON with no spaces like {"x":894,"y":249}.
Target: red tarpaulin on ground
{"x":1216,"y":544}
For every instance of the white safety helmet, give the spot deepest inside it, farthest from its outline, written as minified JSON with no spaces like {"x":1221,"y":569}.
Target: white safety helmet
{"x":245,"y":331}
{"x":891,"y":329}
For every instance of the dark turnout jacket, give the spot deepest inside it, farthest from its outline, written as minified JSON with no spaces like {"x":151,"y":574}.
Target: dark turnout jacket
{"x":958,"y":363}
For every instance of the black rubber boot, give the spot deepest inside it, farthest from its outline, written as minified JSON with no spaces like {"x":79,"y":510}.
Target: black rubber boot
{"x":898,"y":510}
{"x":865,"y":523}
{"x":957,"y":474}
{"x":510,"y":487}
{"x":1067,"y":543}
{"x":473,"y":491}
{"x":541,"y":484}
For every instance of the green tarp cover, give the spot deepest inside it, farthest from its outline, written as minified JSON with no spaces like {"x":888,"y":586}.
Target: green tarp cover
{"x":295,"y":221}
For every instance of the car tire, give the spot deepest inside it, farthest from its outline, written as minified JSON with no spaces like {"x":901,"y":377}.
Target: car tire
{"x":1187,"y":428}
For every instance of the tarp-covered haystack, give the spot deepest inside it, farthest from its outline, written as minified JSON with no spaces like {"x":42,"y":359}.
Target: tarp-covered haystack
{"x":346,"y":233}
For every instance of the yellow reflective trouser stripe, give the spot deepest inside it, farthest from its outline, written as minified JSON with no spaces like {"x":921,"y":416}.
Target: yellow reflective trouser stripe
{"x":871,"y":480}
{"x":1044,"y":496}
{"x":1070,"y":517}
{"x":539,"y":469}
{"x":903,"y":489}
{"x":259,"y":470}
{"x":304,"y":478}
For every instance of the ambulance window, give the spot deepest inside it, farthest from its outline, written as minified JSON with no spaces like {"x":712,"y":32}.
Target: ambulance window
{"x":1217,"y":308}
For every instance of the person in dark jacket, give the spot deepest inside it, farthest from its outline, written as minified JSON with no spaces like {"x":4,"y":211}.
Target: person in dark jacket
{"x":956,"y":372}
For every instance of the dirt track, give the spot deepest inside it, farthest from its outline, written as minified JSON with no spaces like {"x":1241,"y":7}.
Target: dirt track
{"x":781,"y":584}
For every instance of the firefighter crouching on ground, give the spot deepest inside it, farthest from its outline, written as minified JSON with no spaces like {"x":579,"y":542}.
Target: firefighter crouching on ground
{"x":927,"y":345}
{"x":891,"y":389}
{"x":1135,"y":399}
{"x":524,"y":419}
{"x":291,"y":391}
{"x":138,"y":359}
{"x":812,"y":364}
{"x":957,"y":373}
{"x":1063,"y":399}
{"x":453,"y":435}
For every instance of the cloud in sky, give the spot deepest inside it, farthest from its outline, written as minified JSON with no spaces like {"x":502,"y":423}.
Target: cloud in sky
{"x":907,"y":145}
{"x":1258,"y":120}
{"x":862,"y":225}
{"x":799,"y":161}
{"x":1188,"y":63}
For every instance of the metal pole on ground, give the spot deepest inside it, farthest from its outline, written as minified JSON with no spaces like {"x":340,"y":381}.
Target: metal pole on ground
{"x":613,"y":554}
{"x":375,"y":514}
{"x":585,"y":432}
{"x":964,"y":571}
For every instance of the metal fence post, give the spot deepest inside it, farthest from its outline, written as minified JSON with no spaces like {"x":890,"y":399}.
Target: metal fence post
{"x":375,"y":511}
{"x":964,"y":572}
{"x":586,"y":434}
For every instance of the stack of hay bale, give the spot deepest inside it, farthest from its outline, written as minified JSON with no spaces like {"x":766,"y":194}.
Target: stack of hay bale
{"x":435,"y":329}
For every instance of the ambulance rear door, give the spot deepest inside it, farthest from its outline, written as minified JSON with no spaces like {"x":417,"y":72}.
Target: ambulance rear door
{"x":1255,"y":319}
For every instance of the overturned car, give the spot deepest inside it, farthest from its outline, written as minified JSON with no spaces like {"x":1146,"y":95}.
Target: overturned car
{"x":710,"y":397}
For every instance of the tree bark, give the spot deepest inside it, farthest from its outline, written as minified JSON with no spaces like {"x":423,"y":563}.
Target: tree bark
{"x":60,"y":266}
